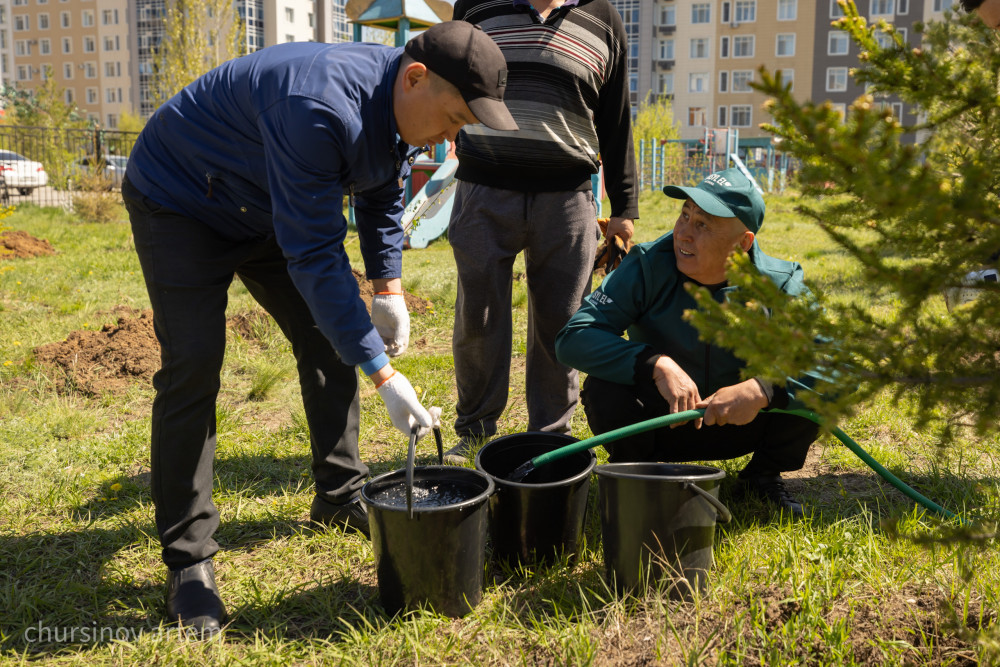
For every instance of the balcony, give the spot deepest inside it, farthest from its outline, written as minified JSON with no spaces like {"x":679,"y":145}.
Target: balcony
{"x":664,"y":65}
{"x":665,"y":29}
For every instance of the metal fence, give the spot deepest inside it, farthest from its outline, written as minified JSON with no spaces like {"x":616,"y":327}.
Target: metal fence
{"x":69,"y":159}
{"x":687,"y":162}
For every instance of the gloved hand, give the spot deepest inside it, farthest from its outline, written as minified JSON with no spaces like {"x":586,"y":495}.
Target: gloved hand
{"x":611,"y":251}
{"x":404,"y":407}
{"x":392,"y":321}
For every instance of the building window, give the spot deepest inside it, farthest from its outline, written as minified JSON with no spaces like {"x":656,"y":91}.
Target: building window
{"x":701,"y":12}
{"x":92,"y":96}
{"x":725,"y":12}
{"x":23,"y":73}
{"x":881,"y":7}
{"x":784,"y":45}
{"x":941,"y":5}
{"x":698,"y":82}
{"x":835,"y":10}
{"x":68,"y":95}
{"x":897,"y":107}
{"x":837,"y":43}
{"x":67,"y":45}
{"x":724,"y":47}
{"x":666,"y":49}
{"x":109,"y":17}
{"x":89,"y":45}
{"x":289,"y":38}
{"x":666,"y":82}
{"x":696,"y":117}
{"x":741,"y":81}
{"x":90,"y":70}
{"x":87,"y":18}
{"x":699,"y":47}
{"x":741,"y":115}
{"x":722,"y":116}
{"x":109,"y":44}
{"x":836,"y":79}
{"x":67,"y":70}
{"x":787,"y":77}
{"x":289,"y":14}
{"x":45,"y":47}
{"x":22,"y":48}
{"x":22,"y":22}
{"x":64,"y":19}
{"x":668,"y":15}
{"x":743,"y":46}
{"x":112,"y":120}
{"x":903,"y":7}
{"x":723,"y":82}
{"x":43,"y":21}
{"x":746,"y":11}
{"x":788,"y":10}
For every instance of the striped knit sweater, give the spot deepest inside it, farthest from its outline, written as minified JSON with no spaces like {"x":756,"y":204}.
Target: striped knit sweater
{"x":567,"y":88}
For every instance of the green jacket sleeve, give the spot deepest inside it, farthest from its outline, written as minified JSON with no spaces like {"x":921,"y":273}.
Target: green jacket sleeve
{"x":592,"y":341}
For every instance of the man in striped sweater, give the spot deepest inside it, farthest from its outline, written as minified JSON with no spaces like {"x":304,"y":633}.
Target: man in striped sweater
{"x":530,"y":191}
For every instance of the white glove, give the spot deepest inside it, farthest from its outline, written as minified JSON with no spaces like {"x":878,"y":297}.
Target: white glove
{"x":404,"y":407}
{"x":392,"y":321}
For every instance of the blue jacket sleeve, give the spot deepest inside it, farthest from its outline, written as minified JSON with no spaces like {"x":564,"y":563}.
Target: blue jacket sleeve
{"x":305,"y":146}
{"x":380,"y":231}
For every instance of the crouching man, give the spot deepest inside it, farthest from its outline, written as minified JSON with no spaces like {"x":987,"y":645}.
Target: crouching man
{"x":662,"y":367}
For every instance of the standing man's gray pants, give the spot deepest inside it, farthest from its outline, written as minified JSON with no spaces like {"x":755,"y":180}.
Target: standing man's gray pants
{"x":558,"y":233}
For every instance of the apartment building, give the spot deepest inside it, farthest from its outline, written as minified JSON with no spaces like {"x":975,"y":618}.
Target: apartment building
{"x":100,"y":51}
{"x":704,"y":54}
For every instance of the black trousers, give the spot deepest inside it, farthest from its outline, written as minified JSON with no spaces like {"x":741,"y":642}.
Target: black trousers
{"x":188,"y":269}
{"x":779,"y":443}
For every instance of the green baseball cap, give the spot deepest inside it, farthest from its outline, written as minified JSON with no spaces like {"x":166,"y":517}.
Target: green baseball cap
{"x":726,"y":194}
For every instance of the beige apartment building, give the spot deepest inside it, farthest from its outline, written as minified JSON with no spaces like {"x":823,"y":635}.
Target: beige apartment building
{"x":704,"y":54}
{"x":100,"y":51}
{"x":82,"y":44}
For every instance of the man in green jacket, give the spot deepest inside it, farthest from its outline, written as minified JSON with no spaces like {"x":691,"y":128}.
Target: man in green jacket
{"x":662,"y":367}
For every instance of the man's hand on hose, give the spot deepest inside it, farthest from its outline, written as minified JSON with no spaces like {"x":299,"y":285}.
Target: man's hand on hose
{"x":389,"y":315}
{"x":676,"y":387}
{"x":737,"y":404}
{"x":401,"y":400}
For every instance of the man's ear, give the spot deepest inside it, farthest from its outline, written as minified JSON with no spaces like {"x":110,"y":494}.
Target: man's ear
{"x":746,"y":241}
{"x":414,"y":74}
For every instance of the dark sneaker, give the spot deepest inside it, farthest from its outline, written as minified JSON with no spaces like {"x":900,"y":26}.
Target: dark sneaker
{"x":462,"y":452}
{"x":772,"y":489}
{"x":349,"y":516}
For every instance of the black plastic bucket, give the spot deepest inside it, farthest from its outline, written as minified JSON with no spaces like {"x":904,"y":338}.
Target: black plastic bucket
{"x":437,"y":557}
{"x":658,"y":521}
{"x":536,"y":521}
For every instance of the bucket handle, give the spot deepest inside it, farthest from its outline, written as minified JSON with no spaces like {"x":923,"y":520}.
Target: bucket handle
{"x":724,"y":515}
{"x":411,"y":455}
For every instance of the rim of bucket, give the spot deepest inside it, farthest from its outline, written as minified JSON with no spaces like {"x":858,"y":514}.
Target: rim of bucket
{"x":454,"y":472}
{"x":569,"y":440}
{"x":699,"y":473}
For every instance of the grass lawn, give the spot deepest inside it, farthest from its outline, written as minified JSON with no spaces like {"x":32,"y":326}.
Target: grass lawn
{"x":81,"y":580}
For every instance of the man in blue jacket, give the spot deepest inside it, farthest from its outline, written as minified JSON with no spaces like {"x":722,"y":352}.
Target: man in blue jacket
{"x":243,"y":173}
{"x":662,"y":367}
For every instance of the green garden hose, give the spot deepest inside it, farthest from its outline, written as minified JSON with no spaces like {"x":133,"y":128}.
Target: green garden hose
{"x":688,"y":415}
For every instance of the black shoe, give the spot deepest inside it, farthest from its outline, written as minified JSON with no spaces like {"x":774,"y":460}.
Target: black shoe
{"x":193,"y":599}
{"x":351,"y":515}
{"x":771,"y":489}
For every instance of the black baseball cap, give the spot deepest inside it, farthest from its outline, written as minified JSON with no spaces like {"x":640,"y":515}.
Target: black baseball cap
{"x":465,"y":56}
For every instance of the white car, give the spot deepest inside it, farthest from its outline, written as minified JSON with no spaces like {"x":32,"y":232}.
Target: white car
{"x":22,"y":174}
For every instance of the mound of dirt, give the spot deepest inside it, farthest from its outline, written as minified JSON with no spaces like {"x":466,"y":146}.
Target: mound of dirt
{"x":414,"y":304}
{"x":94,"y":362}
{"x":16,"y":243}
